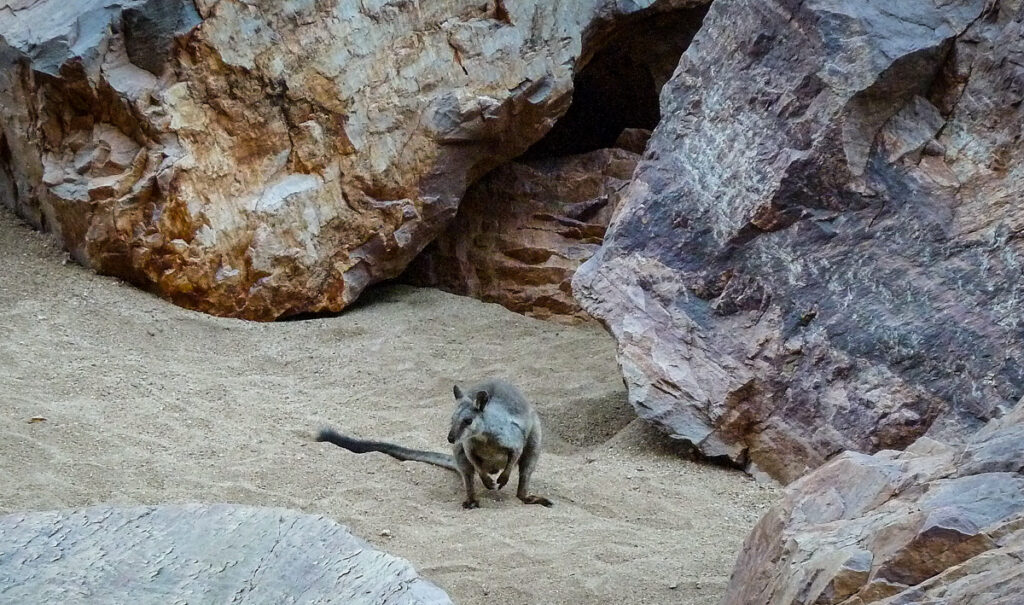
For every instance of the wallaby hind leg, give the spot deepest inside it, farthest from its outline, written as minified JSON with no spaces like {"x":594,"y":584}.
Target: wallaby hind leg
{"x":528,"y":462}
{"x":468,"y":473}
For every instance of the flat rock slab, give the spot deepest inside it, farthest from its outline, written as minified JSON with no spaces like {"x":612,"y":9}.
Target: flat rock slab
{"x":197,"y":554}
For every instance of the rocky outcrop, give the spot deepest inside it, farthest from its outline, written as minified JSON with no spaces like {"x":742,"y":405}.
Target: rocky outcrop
{"x":197,"y":554}
{"x":523,"y":230}
{"x":259,"y":159}
{"x":933,"y":524}
{"x":822,"y":250}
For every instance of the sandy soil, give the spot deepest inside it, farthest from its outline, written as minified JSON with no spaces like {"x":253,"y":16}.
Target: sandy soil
{"x":148,"y":403}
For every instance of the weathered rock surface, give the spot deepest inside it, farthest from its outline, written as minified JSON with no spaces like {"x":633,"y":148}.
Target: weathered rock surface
{"x":822,"y":249}
{"x":197,"y":554}
{"x":260,"y":159}
{"x":933,"y":524}
{"x":524,"y":229}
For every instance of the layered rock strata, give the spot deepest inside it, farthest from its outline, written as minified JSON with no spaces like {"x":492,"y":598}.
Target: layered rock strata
{"x":933,"y":524}
{"x":522,"y":232}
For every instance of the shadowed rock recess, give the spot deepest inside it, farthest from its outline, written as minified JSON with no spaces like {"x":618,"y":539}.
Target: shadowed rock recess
{"x":198,"y":554}
{"x":259,"y":159}
{"x":523,"y":230}
{"x":822,"y":249}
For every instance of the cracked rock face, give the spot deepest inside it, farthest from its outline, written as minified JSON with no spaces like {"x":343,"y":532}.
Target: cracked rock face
{"x":260,"y":159}
{"x":524,"y":229}
{"x":822,"y":249}
{"x":198,"y":554}
{"x":933,"y":524}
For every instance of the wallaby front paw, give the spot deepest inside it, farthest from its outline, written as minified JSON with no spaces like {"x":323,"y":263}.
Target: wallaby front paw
{"x":502,"y":480}
{"x":470,"y":504}
{"x":488,"y":482}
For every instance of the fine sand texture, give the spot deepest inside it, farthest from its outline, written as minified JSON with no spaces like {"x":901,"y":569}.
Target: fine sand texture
{"x":111,"y":395}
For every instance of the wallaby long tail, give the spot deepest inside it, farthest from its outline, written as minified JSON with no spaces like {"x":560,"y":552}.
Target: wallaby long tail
{"x":360,"y":446}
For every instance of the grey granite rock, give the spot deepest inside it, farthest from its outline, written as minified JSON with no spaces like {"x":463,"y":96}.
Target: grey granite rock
{"x":823,"y":248}
{"x":197,"y":554}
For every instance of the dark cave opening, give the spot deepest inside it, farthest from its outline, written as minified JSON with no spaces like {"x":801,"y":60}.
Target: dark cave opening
{"x":624,"y":64}
{"x":620,"y":82}
{"x":610,"y":96}
{"x":522,"y":230}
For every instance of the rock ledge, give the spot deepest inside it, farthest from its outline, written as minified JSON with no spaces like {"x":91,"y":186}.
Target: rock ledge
{"x":198,"y":554}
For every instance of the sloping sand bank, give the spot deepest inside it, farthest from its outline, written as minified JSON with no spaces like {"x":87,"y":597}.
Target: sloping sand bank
{"x":146,"y":403}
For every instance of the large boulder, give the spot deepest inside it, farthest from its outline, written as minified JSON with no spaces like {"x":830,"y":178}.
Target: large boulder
{"x":259,"y":159}
{"x":198,"y":554}
{"x":933,"y":524}
{"x":523,"y":230}
{"x":822,"y":249}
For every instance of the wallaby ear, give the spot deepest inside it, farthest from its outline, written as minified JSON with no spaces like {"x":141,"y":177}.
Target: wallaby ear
{"x":458,"y":392}
{"x":481,"y":399}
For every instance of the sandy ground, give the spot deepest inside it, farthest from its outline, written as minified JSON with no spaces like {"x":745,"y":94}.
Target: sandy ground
{"x":147,"y":403}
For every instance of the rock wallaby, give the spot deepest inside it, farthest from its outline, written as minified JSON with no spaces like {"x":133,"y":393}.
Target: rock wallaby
{"x":493,"y":429}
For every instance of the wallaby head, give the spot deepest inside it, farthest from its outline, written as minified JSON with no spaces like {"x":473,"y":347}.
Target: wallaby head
{"x":467,"y":410}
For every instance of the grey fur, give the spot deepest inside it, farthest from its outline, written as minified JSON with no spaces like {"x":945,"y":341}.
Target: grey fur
{"x":493,"y":429}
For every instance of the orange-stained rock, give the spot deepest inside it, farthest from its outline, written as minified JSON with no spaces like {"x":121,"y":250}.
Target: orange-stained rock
{"x":259,"y":159}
